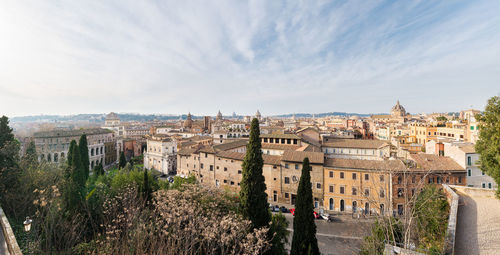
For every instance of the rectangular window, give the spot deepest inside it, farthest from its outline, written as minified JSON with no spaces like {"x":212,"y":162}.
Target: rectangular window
{"x":211,"y":167}
{"x":400,"y":192}
{"x":367,"y":192}
{"x":431,"y":179}
{"x":469,"y":160}
{"x":287,"y":180}
{"x":331,"y":188}
{"x":381,"y":178}
{"x":265,"y":140}
{"x":201,"y":165}
{"x":296,"y":166}
{"x":225,"y":181}
{"x":286,"y":195}
{"x":413,"y":179}
{"x":294,"y":141}
{"x":225,"y":169}
{"x":354,"y":176}
{"x":331,"y":174}
{"x":382,"y":193}
{"x":460,"y":179}
{"x":354,"y":191}
{"x":286,"y":165}
{"x":341,"y":175}
{"x":318,"y":185}
{"x":367,"y":177}
{"x":342,"y":189}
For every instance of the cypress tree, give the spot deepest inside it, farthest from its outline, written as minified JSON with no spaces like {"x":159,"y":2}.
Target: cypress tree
{"x":84,"y":154}
{"x":304,"y":229}
{"x":146,"y":187}
{"x":75,"y":179}
{"x":99,"y":170}
{"x":253,"y":197}
{"x":123,"y":160}
{"x":31,"y":157}
{"x":72,"y":148}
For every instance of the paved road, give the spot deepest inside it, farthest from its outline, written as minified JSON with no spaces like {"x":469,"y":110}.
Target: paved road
{"x":343,"y":237}
{"x":3,"y":245}
{"x":478,"y":225}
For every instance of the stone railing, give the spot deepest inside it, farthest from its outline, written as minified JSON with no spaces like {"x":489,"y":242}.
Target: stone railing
{"x":8,"y":234}
{"x":452,"y":197}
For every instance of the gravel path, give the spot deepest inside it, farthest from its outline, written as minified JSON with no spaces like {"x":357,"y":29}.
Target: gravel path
{"x":478,"y":225}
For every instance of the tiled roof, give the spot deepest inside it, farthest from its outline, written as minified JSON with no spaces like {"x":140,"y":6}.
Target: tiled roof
{"x":71,"y":133}
{"x":388,"y":165}
{"x":286,"y":136}
{"x":187,"y":151}
{"x":355,"y":143}
{"x":469,"y":148}
{"x":268,"y":159}
{"x":298,"y":156}
{"x":273,"y":146}
{"x":429,"y":162}
{"x":230,"y":145}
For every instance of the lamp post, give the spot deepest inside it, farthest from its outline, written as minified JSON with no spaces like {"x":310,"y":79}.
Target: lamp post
{"x":27,"y":224}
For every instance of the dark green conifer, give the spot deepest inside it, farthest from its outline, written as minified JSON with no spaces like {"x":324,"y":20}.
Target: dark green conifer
{"x":304,"y":229}
{"x":253,"y":197}
{"x":84,"y":154}
{"x":123,"y":161}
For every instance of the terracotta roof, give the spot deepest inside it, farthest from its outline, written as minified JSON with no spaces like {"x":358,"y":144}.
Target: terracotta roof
{"x":268,"y":159}
{"x":389,"y":165}
{"x":469,"y":148}
{"x":230,"y":145}
{"x":286,"y":136}
{"x":298,"y":156}
{"x":70,"y":133}
{"x":355,"y":143}
{"x":430,"y":162}
{"x":274,"y":146}
{"x":187,"y":151}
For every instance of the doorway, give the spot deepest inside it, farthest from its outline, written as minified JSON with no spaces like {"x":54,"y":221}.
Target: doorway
{"x":332,"y":205}
{"x":342,"y":206}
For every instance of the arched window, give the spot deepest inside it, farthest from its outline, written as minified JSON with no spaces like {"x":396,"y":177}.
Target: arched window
{"x":367,"y":208}
{"x":102,"y":150}
{"x":354,"y":206}
{"x":49,"y":158}
{"x":92,"y":164}
{"x":92,"y":152}
{"x":332,"y":205}
{"x":42,"y":157}
{"x":56,"y":157}
{"x":62,"y":155}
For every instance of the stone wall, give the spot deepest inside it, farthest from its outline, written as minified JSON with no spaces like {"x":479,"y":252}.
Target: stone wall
{"x":8,"y":234}
{"x":452,"y":198}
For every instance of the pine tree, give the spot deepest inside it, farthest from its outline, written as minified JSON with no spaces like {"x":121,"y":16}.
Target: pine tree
{"x":9,"y":168}
{"x":304,"y":229}
{"x":84,"y":154}
{"x":123,"y":160}
{"x":253,"y":197}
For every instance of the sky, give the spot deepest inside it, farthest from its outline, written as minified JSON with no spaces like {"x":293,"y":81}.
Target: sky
{"x":169,"y":57}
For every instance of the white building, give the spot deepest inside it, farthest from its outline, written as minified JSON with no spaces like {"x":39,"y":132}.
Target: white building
{"x":356,"y":149}
{"x":161,"y":154}
{"x":465,"y":155}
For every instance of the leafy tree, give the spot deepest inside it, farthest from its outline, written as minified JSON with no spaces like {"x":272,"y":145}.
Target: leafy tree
{"x":279,"y":233}
{"x":304,"y":229}
{"x":84,"y":154}
{"x":253,"y":195}
{"x":488,"y":145}
{"x":123,"y":161}
{"x":384,"y":230}
{"x":441,"y":118}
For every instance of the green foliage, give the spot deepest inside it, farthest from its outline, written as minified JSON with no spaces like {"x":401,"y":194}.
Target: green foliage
{"x":385,"y":230}
{"x":84,"y":154}
{"x":124,"y":179}
{"x":179,"y":182}
{"x":304,"y":229}
{"x":30,"y":157}
{"x":441,"y":118}
{"x":278,"y":231}
{"x":9,"y":168}
{"x":431,"y":211}
{"x":253,"y":195}
{"x":99,"y":170}
{"x":488,"y":145}
{"x":122,"y":161}
{"x":146,"y":188}
{"x":74,"y":190}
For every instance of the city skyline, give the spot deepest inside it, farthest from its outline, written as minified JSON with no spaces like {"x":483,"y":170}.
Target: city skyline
{"x":314,"y":57}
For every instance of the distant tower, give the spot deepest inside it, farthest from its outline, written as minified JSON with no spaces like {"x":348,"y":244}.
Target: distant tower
{"x":257,"y":115}
{"x":219,"y":116}
{"x":293,"y":116}
{"x":188,"y":123}
{"x":234,"y":115}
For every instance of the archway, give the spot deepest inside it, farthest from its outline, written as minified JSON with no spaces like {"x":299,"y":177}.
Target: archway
{"x":367,"y":208}
{"x":56,"y":157}
{"x":354,"y":206}
{"x":332,"y":205}
{"x":342,"y":206}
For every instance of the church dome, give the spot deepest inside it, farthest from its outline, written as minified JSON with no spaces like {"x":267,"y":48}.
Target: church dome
{"x":398,"y":110}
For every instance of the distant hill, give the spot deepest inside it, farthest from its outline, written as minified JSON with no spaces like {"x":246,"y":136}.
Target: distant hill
{"x":98,"y":118}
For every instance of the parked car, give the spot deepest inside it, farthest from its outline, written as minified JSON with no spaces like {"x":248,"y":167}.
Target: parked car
{"x":276,"y":208}
{"x":284,"y":209}
{"x":315,"y":214}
